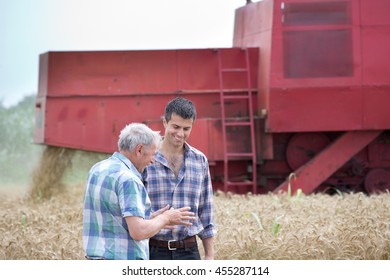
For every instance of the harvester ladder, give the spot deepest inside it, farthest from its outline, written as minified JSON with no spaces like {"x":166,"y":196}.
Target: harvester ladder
{"x":245,"y":95}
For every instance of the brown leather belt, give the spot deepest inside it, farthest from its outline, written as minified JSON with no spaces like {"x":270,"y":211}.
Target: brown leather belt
{"x":189,"y":242}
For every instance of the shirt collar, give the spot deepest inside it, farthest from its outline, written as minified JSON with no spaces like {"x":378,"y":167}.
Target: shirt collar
{"x":127,"y":162}
{"x":159,"y":156}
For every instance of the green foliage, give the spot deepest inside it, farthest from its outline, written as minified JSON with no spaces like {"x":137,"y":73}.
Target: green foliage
{"x":299,"y":194}
{"x":24,"y":219}
{"x":299,"y":191}
{"x":18,"y":153}
{"x":257,"y":218}
{"x":276,"y":226}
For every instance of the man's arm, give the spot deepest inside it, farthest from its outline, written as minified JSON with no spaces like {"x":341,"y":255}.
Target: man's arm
{"x":140,"y":228}
{"x":206,"y":207}
{"x":208,"y":245}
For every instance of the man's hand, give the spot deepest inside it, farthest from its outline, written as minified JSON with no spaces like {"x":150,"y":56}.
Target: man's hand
{"x":181,"y":216}
{"x":159,"y":212}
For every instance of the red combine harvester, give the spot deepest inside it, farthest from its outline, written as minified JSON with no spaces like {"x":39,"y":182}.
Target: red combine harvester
{"x":304,"y":93}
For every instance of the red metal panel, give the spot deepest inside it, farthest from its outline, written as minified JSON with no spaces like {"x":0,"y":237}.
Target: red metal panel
{"x":376,"y":108}
{"x":315,"y":109}
{"x":111,"y":72}
{"x":135,"y":72}
{"x":250,"y":21}
{"x":375,"y":54}
{"x":375,"y":12}
{"x":81,"y":124}
{"x":376,"y":60}
{"x":191,"y":63}
{"x":238,"y":27}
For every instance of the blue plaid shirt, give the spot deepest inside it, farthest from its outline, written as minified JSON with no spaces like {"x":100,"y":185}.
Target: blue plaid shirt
{"x":192,"y":187}
{"x":114,"y":190}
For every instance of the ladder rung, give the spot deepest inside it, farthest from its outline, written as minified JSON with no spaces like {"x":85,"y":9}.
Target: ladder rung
{"x":240,"y":183}
{"x":234,"y":70}
{"x":235,"y":96}
{"x":235,"y":90}
{"x":240,"y":154}
{"x":234,"y":123}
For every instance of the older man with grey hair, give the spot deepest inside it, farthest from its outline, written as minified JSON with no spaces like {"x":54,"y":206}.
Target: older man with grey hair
{"x":117,"y":218}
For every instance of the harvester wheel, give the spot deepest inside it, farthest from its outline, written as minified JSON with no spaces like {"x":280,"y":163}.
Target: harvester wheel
{"x":377,"y":181}
{"x":304,"y":146}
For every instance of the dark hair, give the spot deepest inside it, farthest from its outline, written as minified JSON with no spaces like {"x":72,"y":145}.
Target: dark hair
{"x":182,"y":107}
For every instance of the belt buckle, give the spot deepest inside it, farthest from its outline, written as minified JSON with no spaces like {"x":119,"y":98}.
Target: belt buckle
{"x":169,"y":245}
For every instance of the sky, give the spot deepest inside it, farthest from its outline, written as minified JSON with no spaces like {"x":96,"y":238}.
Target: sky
{"x":31,"y":27}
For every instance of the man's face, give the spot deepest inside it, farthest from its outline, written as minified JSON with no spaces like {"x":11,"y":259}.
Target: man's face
{"x":146,"y":157}
{"x":177,"y":130}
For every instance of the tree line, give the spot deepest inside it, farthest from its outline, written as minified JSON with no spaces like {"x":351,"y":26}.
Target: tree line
{"x":18,"y":153}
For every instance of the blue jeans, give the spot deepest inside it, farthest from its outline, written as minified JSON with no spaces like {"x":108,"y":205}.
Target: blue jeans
{"x":160,"y":253}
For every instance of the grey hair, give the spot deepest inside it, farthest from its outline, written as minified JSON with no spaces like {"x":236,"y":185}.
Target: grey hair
{"x":137,"y":133}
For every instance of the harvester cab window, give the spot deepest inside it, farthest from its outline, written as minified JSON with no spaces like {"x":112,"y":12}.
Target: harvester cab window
{"x":317,"y":39}
{"x":320,"y":13}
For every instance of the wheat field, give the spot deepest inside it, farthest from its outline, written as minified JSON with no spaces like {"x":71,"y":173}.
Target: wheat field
{"x":268,"y":227}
